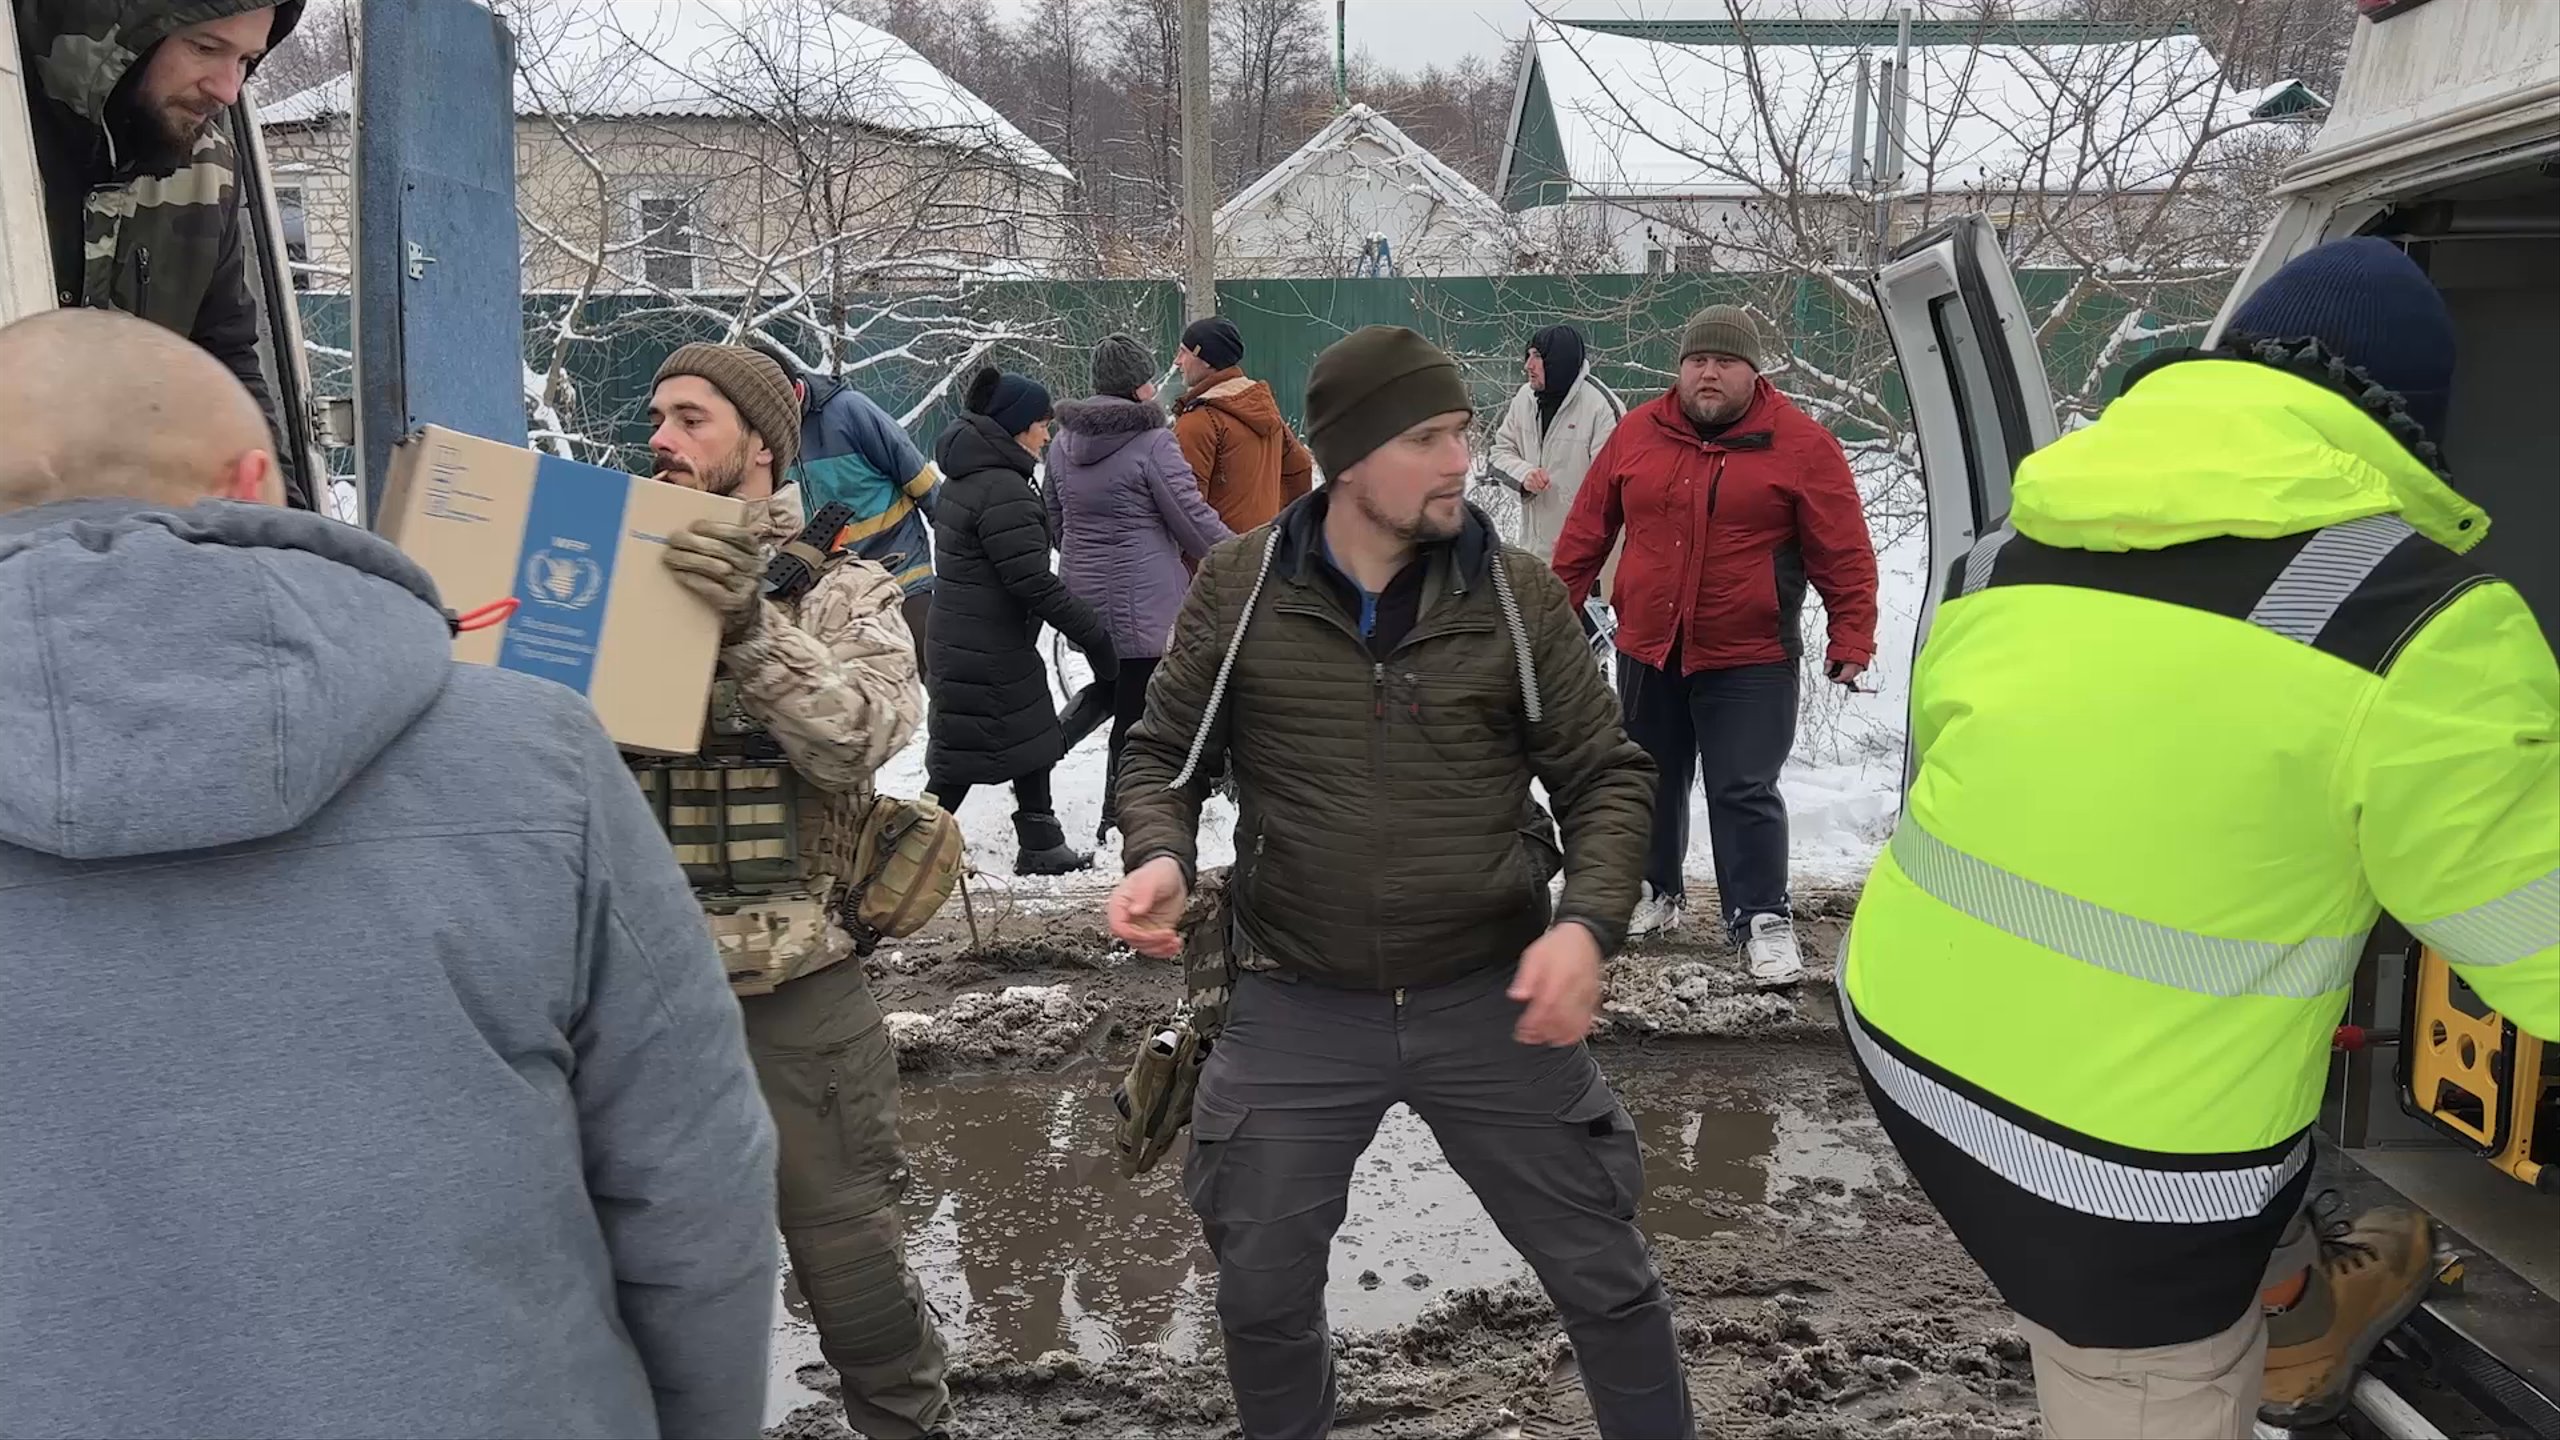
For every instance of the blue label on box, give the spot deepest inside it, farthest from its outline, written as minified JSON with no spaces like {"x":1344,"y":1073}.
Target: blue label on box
{"x":572,"y":530}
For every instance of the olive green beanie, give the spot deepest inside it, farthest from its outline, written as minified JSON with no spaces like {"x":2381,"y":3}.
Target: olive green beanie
{"x":1723,"y":330}
{"x":1372,"y":385}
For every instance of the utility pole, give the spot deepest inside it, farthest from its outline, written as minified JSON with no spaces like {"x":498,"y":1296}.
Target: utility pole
{"x":1341,"y":54}
{"x":1199,"y":176}
{"x":1893,"y":96}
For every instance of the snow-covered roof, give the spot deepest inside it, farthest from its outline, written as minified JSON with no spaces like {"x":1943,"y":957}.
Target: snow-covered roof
{"x":1404,"y":159}
{"x":711,"y":58}
{"x":1638,"y":116}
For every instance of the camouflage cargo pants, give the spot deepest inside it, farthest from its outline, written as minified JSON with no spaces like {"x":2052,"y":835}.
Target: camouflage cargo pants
{"x":830,"y":1076}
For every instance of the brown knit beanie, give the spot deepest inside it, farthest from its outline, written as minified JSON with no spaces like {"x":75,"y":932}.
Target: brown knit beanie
{"x":1723,"y":330}
{"x":755,"y":385}
{"x":1372,"y":385}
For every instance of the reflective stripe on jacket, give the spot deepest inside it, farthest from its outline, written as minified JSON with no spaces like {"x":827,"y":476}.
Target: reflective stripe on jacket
{"x":2227,"y":691}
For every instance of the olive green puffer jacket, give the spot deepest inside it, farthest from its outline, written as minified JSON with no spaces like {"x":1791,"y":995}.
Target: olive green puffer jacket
{"x":1387,"y":836}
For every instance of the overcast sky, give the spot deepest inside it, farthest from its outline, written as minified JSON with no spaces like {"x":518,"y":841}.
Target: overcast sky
{"x":1410,"y":34}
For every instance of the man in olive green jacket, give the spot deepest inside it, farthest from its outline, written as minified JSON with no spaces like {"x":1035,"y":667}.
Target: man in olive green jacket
{"x":1386,"y":679}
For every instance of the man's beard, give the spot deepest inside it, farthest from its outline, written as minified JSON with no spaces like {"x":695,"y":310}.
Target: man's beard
{"x":1706,"y":411}
{"x":162,"y":134}
{"x":1420,"y":530}
{"x":723,"y":478}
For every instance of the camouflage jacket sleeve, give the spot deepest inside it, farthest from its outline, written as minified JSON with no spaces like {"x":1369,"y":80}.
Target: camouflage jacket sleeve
{"x":835,"y":682}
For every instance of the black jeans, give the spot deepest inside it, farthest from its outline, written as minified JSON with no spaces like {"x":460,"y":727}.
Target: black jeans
{"x":1128,"y":706}
{"x":1732,"y":729}
{"x":1030,"y":794}
{"x":917,"y":608}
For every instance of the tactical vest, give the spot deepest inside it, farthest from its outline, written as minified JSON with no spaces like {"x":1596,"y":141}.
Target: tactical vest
{"x":766,"y":851}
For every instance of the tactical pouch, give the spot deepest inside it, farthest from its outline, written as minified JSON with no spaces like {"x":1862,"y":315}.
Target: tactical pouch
{"x":1154,"y":1098}
{"x":905,"y":862}
{"x":731,"y":822}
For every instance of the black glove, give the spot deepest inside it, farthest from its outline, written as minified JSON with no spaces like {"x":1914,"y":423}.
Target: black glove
{"x":1103,"y":659}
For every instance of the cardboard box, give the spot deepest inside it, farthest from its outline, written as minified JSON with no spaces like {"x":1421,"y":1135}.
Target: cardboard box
{"x":581,"y":551}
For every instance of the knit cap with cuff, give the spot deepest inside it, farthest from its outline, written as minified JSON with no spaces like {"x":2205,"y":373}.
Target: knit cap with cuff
{"x":1372,"y":385}
{"x":1723,"y":330}
{"x":1016,"y":402}
{"x":1216,"y":341}
{"x":753,"y":383}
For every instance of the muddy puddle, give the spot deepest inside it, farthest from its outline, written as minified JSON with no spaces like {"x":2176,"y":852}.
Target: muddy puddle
{"x":1028,"y":1241}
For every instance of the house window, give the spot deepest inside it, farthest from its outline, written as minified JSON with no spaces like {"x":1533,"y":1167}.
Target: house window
{"x":667,"y":258}
{"x":1693,"y":259}
{"x":297,"y":233}
{"x":1657,"y":262}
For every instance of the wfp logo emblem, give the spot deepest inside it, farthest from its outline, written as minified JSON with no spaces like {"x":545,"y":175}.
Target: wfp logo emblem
{"x":562,"y":581}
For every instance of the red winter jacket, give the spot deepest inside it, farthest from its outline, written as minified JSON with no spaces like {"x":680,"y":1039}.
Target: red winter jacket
{"x":1722,"y":535}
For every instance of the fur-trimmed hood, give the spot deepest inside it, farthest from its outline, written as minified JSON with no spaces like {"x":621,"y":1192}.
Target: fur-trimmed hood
{"x":1095,"y":429}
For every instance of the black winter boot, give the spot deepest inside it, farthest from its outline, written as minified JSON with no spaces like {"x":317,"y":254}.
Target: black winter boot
{"x":1044,"y":846}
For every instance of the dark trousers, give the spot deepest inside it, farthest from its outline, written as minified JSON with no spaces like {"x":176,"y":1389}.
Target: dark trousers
{"x":1293,"y":1094}
{"x":1030,"y":794}
{"x":1128,"y":706}
{"x":917,"y":608}
{"x":1731,"y":729}
{"x":1123,"y":701}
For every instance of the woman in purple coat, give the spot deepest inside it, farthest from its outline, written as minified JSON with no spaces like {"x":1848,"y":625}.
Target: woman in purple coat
{"x":1127,"y":513}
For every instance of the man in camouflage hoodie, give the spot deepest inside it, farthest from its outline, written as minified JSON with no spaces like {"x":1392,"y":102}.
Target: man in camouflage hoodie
{"x":141,"y":192}
{"x":830,"y":678}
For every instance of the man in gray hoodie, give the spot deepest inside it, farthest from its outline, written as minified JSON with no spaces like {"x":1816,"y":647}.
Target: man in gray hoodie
{"x":365,"y":1066}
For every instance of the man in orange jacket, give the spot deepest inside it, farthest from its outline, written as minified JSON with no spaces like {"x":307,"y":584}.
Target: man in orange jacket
{"x":1248,"y":461}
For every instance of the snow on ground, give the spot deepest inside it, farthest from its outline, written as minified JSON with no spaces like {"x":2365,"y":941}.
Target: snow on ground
{"x":1843,"y":784}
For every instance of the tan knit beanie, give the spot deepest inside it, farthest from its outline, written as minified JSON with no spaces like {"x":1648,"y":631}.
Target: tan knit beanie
{"x":756,"y":386}
{"x":1723,"y":330}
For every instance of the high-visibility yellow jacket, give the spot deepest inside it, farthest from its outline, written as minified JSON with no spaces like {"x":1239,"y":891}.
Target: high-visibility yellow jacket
{"x":2226,"y":691}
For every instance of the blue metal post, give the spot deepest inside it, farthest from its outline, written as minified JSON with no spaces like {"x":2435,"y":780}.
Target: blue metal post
{"x":439,"y":318}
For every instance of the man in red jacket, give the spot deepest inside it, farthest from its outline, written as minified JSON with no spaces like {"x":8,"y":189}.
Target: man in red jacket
{"x":1731,"y":498}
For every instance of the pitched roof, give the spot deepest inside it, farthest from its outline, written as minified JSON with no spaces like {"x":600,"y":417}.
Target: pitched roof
{"x":1405,"y":157}
{"x":1623,"y":114}
{"x":714,"y":58}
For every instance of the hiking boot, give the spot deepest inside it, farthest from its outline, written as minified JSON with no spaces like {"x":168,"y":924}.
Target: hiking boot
{"x":1655,"y":914}
{"x":1773,"y":956}
{"x":2373,"y":1271}
{"x":1044,"y":846}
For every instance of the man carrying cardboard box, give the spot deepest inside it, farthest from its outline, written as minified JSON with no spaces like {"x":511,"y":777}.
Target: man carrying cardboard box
{"x":813,"y":694}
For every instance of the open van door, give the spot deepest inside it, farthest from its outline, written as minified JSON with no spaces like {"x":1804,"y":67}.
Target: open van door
{"x":26,"y":255}
{"x":1973,"y":378}
{"x":266,"y":265}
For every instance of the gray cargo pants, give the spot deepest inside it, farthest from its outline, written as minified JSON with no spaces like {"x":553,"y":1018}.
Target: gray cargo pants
{"x":1290,"y":1098}
{"x":830,"y":1077}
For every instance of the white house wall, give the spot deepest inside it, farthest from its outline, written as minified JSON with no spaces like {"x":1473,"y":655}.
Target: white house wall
{"x":1315,"y":222}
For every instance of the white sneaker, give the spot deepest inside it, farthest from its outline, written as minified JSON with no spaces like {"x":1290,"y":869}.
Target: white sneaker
{"x":1774,"y":958}
{"x":1654,"y":915}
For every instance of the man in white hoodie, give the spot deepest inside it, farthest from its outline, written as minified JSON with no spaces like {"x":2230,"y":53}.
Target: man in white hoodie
{"x":368,"y":1067}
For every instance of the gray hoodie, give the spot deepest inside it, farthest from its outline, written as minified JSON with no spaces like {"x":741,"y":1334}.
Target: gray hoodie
{"x":365,"y":1067}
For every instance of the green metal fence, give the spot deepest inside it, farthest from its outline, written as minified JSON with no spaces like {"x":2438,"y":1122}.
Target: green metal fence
{"x":1838,"y":361}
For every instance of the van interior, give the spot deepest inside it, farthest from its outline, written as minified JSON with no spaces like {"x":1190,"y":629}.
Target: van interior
{"x":2492,"y":245}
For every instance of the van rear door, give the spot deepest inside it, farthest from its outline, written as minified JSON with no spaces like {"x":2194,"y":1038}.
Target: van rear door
{"x":1974,"y":380}
{"x":26,"y":254}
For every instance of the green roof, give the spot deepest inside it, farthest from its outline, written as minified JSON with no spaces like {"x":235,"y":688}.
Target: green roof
{"x":1538,"y":173}
{"x":1881,"y":32}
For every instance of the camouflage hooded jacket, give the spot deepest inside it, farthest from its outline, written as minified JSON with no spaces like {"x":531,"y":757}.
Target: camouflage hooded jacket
{"x":832,"y":679}
{"x":137,"y":227}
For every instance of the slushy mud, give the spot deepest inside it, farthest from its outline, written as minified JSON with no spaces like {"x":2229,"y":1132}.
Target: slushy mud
{"x":1817,"y":1292}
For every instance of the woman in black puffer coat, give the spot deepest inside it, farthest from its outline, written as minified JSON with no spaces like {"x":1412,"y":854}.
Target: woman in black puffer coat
{"x":994,"y":719}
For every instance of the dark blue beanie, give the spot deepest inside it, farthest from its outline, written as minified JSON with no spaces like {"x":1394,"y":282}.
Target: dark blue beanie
{"x":1016,"y":402}
{"x":2372,"y":307}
